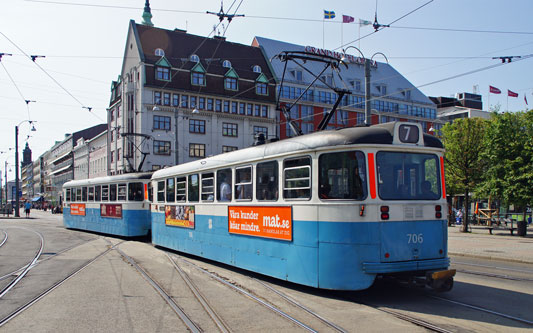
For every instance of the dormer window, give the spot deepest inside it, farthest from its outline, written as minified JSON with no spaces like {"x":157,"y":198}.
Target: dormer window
{"x":257,"y":69}
{"x":231,"y":80}
{"x":198,"y":75}
{"x":194,"y":58}
{"x":382,"y":89}
{"x":356,"y":85}
{"x":298,"y":75}
{"x":226,"y":64}
{"x":159,"y":52}
{"x":162,"y":69}
{"x":261,"y":85}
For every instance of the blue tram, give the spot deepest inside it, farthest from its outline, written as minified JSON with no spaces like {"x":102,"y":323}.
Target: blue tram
{"x":332,"y":209}
{"x":116,"y":205}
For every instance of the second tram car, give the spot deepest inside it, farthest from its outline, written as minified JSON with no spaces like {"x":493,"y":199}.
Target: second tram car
{"x":116,"y":205}
{"x":332,"y":209}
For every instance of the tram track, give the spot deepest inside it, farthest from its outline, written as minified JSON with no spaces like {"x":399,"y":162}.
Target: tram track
{"x":39,"y":261}
{"x":4,"y":240}
{"x":27,"y":268}
{"x":35,"y":299}
{"x":248,"y":294}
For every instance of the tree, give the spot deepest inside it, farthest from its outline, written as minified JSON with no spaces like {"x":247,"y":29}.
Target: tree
{"x":509,"y":152}
{"x":463,"y":141}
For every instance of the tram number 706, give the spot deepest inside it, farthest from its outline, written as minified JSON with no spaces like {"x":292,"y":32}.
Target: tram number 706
{"x":415,"y":238}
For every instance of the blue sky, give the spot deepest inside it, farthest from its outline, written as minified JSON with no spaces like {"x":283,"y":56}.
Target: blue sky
{"x":84,"y":46}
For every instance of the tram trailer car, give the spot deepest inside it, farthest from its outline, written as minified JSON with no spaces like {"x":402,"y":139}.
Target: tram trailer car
{"x":116,"y":205}
{"x":332,"y":209}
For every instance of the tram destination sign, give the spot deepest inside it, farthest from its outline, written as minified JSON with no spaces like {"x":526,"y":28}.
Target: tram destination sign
{"x":261,"y":221}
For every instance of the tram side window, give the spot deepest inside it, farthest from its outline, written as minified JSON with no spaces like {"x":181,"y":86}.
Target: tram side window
{"x":181,"y":189}
{"x":208,"y":186}
{"x":243,"y":183}
{"x":171,"y":190}
{"x":97,"y":192}
{"x":91,"y":193}
{"x":135,"y":192}
{"x":105,"y":192}
{"x":267,"y":181}
{"x":122,"y":192}
{"x":150,"y":192}
{"x":194,"y":188}
{"x":67,"y":194}
{"x":224,"y":185}
{"x":84,"y":194}
{"x":113,"y":192}
{"x":342,"y":176}
{"x":161,"y":191}
{"x":408,"y":176}
{"x":297,"y":178}
{"x":78,"y":194}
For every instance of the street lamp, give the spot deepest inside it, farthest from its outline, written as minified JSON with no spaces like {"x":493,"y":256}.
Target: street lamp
{"x":17,"y":213}
{"x":368,"y":110}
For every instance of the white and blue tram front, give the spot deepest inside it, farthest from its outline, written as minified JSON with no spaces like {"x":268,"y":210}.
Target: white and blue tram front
{"x":115,"y":205}
{"x":331,"y":210}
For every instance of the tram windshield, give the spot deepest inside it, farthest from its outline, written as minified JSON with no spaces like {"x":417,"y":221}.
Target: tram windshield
{"x":408,"y":176}
{"x":342,"y":176}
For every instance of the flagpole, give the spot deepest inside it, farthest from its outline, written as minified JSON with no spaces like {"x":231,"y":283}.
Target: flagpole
{"x":323,"y":20}
{"x":359,"y":39}
{"x":342,"y":34}
{"x":489,"y":101}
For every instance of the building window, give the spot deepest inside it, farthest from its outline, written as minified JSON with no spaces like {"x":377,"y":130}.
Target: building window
{"x":157,"y":97}
{"x":161,"y":123}
{"x":242,"y":108}
{"x":184,"y":101}
{"x":175,"y":100}
{"x":227,"y":149}
{"x":261,"y":88}
{"x":297,"y":75}
{"x":218,"y":105}
{"x":226,"y":106}
{"x":196,"y":150}
{"x":257,"y":110}
{"x":249,"y":109}
{"x":159,"y":52}
{"x":209,"y":104}
{"x":197,"y":126}
{"x":261,"y":129}
{"x":257,"y":69}
{"x":201,"y":103}
{"x":198,"y":79}
{"x":234,"y":107}
{"x":226,"y":64}
{"x":264,"y":111}
{"x":161,"y":147}
{"x":230,"y":83}
{"x":162,"y":73}
{"x":166,"y":98}
{"x":229,"y":129}
{"x":193,"y":102}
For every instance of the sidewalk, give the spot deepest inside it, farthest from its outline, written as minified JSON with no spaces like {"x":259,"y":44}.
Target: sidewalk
{"x":501,"y":245}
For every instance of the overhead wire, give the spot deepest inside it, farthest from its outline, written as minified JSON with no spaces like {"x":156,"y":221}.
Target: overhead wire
{"x":52,"y":78}
{"x":20,"y":92}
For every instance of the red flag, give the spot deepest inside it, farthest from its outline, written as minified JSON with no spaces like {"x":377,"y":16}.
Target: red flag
{"x":494,"y":90}
{"x":511,"y":94}
{"x":347,"y":19}
{"x":525,"y":99}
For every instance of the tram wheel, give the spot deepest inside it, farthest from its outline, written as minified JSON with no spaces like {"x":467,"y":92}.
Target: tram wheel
{"x":446,"y":285}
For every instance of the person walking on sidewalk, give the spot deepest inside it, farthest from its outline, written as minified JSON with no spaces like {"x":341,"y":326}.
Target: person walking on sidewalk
{"x":27,"y":207}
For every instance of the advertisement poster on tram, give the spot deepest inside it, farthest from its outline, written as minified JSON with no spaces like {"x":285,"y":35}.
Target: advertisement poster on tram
{"x":267,"y":222}
{"x":77,"y":209}
{"x":111,"y":210}
{"x":180,"y":216}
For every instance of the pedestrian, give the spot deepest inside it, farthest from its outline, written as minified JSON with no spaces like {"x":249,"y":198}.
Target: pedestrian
{"x":27,"y":208}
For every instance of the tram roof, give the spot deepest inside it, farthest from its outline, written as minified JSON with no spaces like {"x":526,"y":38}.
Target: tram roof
{"x":109,"y":179}
{"x":376,"y":134}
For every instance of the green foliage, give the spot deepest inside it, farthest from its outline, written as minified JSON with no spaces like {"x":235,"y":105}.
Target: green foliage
{"x":463,"y":141}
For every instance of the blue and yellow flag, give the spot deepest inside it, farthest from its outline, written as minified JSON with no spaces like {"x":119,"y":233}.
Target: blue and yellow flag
{"x":329,"y":14}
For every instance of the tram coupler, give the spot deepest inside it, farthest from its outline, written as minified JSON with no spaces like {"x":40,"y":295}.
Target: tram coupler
{"x":441,"y":280}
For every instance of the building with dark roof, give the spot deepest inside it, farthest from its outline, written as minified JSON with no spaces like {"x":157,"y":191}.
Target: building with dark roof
{"x":180,"y":97}
{"x":393,"y":97}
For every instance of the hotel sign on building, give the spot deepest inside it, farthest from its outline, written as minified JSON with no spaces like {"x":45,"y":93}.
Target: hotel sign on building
{"x":339,"y":55}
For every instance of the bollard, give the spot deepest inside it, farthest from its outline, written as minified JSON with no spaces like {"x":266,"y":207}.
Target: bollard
{"x":521,"y":228}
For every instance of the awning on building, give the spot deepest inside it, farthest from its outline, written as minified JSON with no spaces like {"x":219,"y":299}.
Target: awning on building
{"x":37,"y":199}
{"x":55,"y":172}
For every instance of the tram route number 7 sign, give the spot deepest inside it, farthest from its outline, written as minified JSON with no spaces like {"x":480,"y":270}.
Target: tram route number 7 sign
{"x":261,"y":221}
